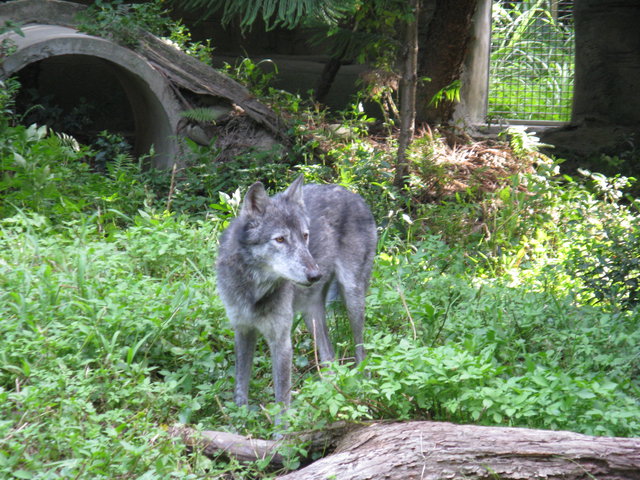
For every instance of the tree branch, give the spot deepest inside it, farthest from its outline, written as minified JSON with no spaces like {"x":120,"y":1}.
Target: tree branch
{"x":408,"y":85}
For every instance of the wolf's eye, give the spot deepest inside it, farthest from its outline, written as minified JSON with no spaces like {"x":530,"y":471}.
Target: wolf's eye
{"x":305,"y":236}
{"x":279,"y":239}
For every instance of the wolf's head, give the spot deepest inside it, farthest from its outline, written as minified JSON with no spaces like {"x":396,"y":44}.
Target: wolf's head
{"x":276,"y":233}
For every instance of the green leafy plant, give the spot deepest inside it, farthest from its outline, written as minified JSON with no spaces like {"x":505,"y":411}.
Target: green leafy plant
{"x":256,"y":76}
{"x":111,"y":149}
{"x":180,"y":36}
{"x":407,"y":381}
{"x":27,"y":177}
{"x":8,"y":90}
{"x":7,"y":46}
{"x":450,"y":93}
{"x":606,"y":251}
{"x":103,"y":421}
{"x":122,"y":21}
{"x":522,"y":142}
{"x":51,"y":175}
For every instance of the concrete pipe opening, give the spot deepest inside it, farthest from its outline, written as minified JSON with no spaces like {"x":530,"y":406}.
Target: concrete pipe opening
{"x":80,"y":96}
{"x":92,"y":85}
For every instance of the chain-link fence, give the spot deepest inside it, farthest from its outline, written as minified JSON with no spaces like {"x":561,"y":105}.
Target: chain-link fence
{"x":532,"y":52}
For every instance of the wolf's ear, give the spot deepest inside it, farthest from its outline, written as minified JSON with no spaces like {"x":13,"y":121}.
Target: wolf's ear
{"x":294,"y":191}
{"x":255,"y":201}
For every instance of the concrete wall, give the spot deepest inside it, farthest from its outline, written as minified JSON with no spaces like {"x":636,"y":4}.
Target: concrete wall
{"x":607,"y":78}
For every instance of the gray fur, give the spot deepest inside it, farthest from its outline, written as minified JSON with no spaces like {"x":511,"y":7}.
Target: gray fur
{"x":285,"y":254}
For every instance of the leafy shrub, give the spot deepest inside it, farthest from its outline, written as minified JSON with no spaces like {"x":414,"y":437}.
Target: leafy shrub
{"x":402,"y":380}
{"x":8,"y":90}
{"x":163,"y":246}
{"x":122,"y":22}
{"x":110,"y":147}
{"x":195,"y":188}
{"x":28,"y":179}
{"x":603,"y":243}
{"x":258,"y":77}
{"x":51,"y":175}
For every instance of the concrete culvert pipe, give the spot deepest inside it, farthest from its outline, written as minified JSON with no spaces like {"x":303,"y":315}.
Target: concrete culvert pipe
{"x":71,"y":65}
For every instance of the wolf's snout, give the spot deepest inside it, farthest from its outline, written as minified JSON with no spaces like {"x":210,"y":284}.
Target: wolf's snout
{"x":313,"y":275}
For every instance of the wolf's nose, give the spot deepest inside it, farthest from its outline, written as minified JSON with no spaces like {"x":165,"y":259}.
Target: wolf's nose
{"x":313,"y":275}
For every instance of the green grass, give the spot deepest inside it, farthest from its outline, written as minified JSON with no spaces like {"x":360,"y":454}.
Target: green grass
{"x":93,"y":333}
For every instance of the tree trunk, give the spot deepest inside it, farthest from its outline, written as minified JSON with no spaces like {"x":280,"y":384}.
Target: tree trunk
{"x":327,"y":77}
{"x":408,"y":83}
{"x":439,"y":450}
{"x":443,"y":48}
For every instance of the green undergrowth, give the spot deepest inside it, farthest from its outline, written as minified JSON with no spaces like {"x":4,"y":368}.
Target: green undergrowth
{"x":516,"y":306}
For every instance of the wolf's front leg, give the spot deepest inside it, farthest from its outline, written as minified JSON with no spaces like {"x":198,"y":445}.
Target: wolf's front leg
{"x":245,"y":344}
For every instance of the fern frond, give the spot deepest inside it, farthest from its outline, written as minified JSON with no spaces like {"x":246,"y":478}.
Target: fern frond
{"x":68,"y":141}
{"x":205,"y":114}
{"x":274,"y":13}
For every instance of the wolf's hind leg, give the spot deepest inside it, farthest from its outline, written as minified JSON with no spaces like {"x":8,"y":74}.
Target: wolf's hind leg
{"x":245,"y":344}
{"x":314,"y":314}
{"x":354,"y":300}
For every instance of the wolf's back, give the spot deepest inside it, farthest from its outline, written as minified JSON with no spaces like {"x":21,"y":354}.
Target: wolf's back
{"x":341,"y":227}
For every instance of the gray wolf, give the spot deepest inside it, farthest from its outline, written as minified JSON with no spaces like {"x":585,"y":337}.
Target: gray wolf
{"x":285,"y":254}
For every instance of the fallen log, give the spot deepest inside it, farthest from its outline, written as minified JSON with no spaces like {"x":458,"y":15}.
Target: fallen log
{"x":249,"y":449}
{"x":438,"y":450}
{"x":213,"y":444}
